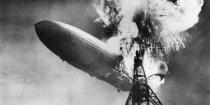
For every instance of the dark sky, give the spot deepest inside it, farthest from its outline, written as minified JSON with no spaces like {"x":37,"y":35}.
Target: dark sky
{"x":32,"y":75}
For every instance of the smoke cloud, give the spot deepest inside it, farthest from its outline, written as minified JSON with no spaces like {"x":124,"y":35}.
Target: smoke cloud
{"x":168,"y":23}
{"x":170,"y":20}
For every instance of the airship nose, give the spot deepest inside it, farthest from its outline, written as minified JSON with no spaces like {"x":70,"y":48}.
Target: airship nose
{"x":43,"y":30}
{"x":40,"y":26}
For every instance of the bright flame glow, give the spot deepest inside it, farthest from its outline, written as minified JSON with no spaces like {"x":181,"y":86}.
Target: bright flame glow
{"x":169,"y":22}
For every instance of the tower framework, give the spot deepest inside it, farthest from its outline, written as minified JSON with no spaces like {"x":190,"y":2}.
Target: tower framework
{"x":141,"y":93}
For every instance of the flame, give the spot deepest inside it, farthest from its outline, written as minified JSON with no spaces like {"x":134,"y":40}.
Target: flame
{"x":169,"y":23}
{"x":154,"y":66}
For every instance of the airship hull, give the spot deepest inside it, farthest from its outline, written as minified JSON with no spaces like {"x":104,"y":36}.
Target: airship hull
{"x":83,"y":51}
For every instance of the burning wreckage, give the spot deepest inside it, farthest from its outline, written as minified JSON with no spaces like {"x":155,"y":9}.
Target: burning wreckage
{"x":91,"y":55}
{"x":155,"y":27}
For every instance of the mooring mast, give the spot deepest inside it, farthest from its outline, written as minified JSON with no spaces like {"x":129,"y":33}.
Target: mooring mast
{"x":141,"y":93}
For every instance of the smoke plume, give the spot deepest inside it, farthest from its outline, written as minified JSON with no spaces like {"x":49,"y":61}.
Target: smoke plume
{"x":159,"y":24}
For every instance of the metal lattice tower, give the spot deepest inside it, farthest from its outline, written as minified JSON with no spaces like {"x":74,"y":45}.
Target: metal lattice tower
{"x":141,"y":93}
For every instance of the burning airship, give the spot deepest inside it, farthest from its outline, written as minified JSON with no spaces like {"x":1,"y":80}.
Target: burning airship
{"x":83,"y":51}
{"x":88,"y":53}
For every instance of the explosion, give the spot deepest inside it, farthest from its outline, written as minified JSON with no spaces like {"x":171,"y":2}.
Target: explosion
{"x":157,"y":26}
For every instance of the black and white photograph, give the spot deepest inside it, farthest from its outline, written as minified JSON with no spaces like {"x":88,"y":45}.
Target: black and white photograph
{"x":104,"y":52}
